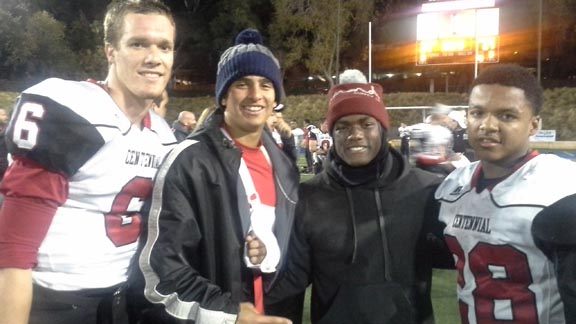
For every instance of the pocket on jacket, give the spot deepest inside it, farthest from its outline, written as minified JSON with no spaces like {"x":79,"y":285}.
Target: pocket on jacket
{"x":382,"y":303}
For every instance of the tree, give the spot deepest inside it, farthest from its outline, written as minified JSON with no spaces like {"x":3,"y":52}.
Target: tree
{"x":39,"y":49}
{"x":560,"y":37}
{"x":314,"y":33}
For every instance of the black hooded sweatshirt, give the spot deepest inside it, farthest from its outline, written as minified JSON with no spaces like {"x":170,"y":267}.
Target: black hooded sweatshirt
{"x":366,"y":239}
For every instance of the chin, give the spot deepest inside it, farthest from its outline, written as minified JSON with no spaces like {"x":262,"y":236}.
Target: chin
{"x":356,"y":163}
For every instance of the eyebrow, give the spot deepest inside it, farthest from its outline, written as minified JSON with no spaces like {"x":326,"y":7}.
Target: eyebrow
{"x":360,"y":120}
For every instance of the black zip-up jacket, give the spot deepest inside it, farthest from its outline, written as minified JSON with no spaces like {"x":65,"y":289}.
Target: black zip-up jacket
{"x":367,"y":249}
{"x":193,"y":260}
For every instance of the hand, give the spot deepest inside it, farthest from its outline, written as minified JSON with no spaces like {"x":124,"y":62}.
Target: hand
{"x":256,"y":249}
{"x":249,"y":315}
{"x":283,"y":128}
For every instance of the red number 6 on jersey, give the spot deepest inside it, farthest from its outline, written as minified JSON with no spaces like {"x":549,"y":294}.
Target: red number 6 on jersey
{"x":123,"y":228}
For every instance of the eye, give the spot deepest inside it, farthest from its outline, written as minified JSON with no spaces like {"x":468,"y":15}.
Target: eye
{"x":340,"y":128}
{"x":240,"y":84}
{"x":508,"y":117}
{"x":137,"y":44}
{"x":369,"y":124}
{"x":166,"y":48}
{"x":267,"y":85}
{"x":474,"y":113}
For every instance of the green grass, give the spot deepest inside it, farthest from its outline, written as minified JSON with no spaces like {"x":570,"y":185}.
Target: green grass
{"x":444,"y":297}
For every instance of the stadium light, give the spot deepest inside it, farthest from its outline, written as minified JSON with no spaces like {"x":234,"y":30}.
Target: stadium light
{"x":457,"y":5}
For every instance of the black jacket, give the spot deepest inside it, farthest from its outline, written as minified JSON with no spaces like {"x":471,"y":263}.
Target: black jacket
{"x":366,"y":249}
{"x":193,"y":260}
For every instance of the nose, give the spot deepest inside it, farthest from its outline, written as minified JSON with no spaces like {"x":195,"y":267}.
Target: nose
{"x":355,"y":133}
{"x":255,"y":92}
{"x":489,"y":123}
{"x":153,"y":55}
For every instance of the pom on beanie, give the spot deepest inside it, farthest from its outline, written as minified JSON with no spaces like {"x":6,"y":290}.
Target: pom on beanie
{"x":247,"y":57}
{"x":354,"y":95}
{"x":352,"y":76}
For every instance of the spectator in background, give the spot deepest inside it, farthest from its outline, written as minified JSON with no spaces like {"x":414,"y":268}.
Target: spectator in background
{"x":224,"y":201}
{"x":456,"y":122}
{"x":204,"y":115}
{"x":432,"y":144}
{"x":404,"y":134}
{"x":282,"y":134}
{"x":514,"y":246}
{"x":85,"y":154}
{"x":324,"y":141}
{"x":160,"y":104}
{"x":310,"y":144}
{"x":184,"y":125}
{"x":298,"y":134}
{"x":366,"y":232}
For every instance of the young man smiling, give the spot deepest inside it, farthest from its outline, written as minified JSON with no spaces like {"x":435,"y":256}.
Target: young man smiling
{"x":490,"y":207}
{"x":71,"y":218}
{"x":365,"y":230}
{"x":223,"y":201}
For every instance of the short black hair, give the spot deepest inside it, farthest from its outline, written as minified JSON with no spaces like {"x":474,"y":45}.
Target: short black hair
{"x":513,"y":75}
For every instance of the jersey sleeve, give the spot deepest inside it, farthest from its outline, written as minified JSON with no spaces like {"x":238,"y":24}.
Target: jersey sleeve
{"x":51,"y":134}
{"x":27,"y":211}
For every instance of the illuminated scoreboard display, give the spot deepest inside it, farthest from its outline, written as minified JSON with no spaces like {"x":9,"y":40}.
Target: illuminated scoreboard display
{"x":455,"y":32}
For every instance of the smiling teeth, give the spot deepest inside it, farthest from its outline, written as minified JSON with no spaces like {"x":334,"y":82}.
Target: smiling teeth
{"x":356,"y":149}
{"x":253,"y":108}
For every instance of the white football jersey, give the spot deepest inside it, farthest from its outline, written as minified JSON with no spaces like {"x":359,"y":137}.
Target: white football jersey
{"x":75,"y":128}
{"x":503,"y":276}
{"x":324,"y":140}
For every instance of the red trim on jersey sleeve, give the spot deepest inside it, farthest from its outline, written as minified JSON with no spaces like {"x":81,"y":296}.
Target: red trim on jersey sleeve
{"x":26,"y":178}
{"x":33,"y":195}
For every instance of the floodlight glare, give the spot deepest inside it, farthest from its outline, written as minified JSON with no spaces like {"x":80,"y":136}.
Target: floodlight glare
{"x":457,"y":5}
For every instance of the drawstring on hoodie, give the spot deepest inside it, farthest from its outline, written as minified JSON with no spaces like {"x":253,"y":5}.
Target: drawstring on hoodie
{"x":385,"y":248}
{"x":354,"y":231}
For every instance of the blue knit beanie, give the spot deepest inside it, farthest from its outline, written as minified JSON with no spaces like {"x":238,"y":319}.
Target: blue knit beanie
{"x":247,"y":57}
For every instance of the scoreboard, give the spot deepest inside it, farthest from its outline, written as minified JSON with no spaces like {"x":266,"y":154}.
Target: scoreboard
{"x":452,"y":33}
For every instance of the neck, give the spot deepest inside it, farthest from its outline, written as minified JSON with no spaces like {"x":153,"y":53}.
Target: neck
{"x":503,"y":169}
{"x":251,"y":139}
{"x":134,"y":108}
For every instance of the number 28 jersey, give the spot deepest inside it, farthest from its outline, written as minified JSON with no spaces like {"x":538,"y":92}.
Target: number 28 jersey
{"x":76,"y":129}
{"x":503,"y":277}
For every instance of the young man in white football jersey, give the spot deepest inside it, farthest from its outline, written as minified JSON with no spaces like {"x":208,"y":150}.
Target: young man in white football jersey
{"x":489,"y":207}
{"x":85,"y":154}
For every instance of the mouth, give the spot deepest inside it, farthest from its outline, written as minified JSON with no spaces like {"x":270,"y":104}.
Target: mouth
{"x":356,"y":149}
{"x":252,"y":109}
{"x":488,"y":142}
{"x":151,"y":75}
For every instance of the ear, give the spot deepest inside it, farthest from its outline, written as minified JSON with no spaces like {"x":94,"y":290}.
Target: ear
{"x":109,"y":50}
{"x":223,"y":102}
{"x":535,"y":125}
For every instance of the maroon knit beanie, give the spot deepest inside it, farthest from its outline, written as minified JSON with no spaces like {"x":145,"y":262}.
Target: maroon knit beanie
{"x":356,"y":98}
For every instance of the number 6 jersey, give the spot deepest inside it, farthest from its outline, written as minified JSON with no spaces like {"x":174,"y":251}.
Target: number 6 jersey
{"x":75,"y":149}
{"x":503,"y":276}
